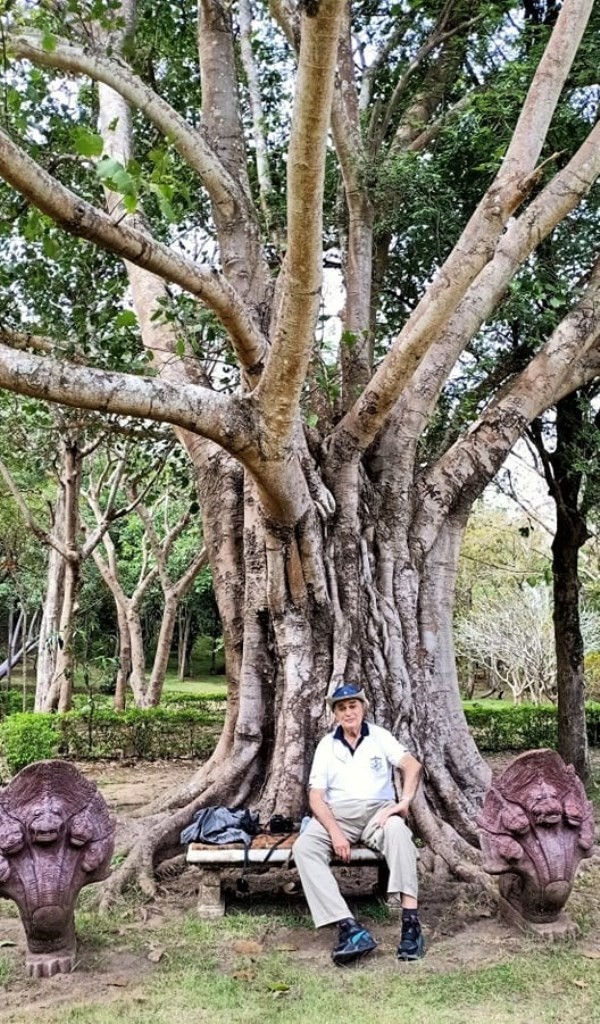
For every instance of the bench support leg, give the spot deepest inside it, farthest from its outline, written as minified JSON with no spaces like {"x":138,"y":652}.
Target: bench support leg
{"x":383,"y":877}
{"x":210,"y":896}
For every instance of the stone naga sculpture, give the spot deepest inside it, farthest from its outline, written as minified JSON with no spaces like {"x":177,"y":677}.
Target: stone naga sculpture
{"x":56,"y":835}
{"x":536,"y":825}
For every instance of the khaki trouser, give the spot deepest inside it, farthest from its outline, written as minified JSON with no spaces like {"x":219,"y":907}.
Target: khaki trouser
{"x":313,"y":850}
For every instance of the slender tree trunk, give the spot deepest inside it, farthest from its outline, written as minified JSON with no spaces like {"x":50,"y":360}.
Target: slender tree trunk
{"x":124,"y":662}
{"x":163,"y":650}
{"x":50,"y":626}
{"x":24,"y":663}
{"x":10,"y":644}
{"x":184,"y":636}
{"x":570,"y":680}
{"x":571,"y":534}
{"x":137,"y":678}
{"x":564,"y":477}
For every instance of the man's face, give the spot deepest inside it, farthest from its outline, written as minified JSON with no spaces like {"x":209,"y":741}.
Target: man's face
{"x":349,"y":713}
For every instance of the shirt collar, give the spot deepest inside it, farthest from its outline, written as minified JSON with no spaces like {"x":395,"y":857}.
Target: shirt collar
{"x":338,"y":734}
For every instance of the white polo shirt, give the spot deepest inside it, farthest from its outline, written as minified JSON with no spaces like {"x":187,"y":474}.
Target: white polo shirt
{"x":362,"y":774}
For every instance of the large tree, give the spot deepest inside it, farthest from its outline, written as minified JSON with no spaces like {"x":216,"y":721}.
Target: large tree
{"x":332,"y":517}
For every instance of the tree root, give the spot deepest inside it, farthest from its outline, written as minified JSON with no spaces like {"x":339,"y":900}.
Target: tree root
{"x":446,"y":845}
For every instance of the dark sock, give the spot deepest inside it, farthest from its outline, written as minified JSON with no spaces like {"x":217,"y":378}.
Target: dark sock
{"x":410,"y":916}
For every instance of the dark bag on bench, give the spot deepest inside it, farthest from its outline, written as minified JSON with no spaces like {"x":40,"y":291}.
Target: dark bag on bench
{"x":221,"y":825}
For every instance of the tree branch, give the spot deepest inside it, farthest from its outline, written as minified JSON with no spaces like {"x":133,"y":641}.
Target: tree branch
{"x":85,"y":221}
{"x":196,"y":409}
{"x":265,"y":185}
{"x":24,"y":341}
{"x":477,"y":243}
{"x":188,"y":141}
{"x":44,"y":536}
{"x":278,"y":391}
{"x":436,"y":39}
{"x":559,"y":198}
{"x":462,"y":473}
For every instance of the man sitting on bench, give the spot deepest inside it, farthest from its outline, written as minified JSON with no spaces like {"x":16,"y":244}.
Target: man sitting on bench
{"x":352,"y":797}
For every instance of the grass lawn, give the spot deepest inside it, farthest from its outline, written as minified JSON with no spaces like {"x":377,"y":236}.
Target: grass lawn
{"x":203,"y":685}
{"x":236,"y":970}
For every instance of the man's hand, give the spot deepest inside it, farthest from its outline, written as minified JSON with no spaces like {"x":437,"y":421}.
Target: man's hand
{"x":401,"y":809}
{"x":341,"y":844}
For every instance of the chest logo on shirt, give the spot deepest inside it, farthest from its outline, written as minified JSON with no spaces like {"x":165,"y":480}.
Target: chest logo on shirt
{"x":376,"y":764}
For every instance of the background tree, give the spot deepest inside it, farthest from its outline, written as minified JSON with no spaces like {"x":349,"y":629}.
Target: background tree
{"x":331,"y":514}
{"x":163,"y":522}
{"x":570,"y":467}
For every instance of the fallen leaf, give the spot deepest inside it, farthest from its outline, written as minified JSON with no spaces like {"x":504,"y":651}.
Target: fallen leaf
{"x":156,"y":955}
{"x":244,"y":975}
{"x":7,"y":942}
{"x":247,"y":946}
{"x":118,"y":982}
{"x":579,"y":983}
{"x":278,"y":986}
{"x":286,"y":947}
{"x":591,"y":954}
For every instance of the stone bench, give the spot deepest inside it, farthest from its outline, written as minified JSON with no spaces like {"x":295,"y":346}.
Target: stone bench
{"x":214,"y":860}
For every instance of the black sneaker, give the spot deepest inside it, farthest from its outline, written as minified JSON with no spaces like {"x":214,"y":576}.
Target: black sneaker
{"x":354,"y":941}
{"x":412,"y":943}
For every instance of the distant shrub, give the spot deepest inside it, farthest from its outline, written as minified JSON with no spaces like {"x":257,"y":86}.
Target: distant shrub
{"x":27,"y":737}
{"x":522,"y":726}
{"x":11,"y":702}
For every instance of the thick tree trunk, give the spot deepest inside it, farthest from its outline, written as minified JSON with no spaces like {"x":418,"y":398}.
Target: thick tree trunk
{"x":383,"y":620}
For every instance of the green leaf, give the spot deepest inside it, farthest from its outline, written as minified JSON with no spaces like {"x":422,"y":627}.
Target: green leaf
{"x":50,"y":246}
{"x":114,"y":176}
{"x":87,"y":143}
{"x":126,"y":318}
{"x":163,"y":195}
{"x":180,"y":347}
{"x":312,"y":419}
{"x":130,"y":203}
{"x":48,"y":42}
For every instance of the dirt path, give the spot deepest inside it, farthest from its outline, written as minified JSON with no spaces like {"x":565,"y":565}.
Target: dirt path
{"x":127,"y":786}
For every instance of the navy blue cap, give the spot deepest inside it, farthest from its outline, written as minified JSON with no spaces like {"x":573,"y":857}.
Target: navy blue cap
{"x":348,"y":691}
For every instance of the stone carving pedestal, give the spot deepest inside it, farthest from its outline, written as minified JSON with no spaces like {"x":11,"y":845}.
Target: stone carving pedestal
{"x":536,"y":825}
{"x":56,"y":835}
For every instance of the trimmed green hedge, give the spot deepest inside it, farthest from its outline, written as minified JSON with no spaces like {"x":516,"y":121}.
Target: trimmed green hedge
{"x":522,"y":726}
{"x":27,"y":737}
{"x":148,"y":734}
{"x":189,"y":726}
{"x":95,"y":732}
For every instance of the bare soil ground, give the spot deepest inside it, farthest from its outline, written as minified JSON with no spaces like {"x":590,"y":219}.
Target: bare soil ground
{"x":462,"y":929}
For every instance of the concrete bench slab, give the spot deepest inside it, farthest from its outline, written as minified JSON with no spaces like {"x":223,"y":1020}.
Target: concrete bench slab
{"x":213,"y":860}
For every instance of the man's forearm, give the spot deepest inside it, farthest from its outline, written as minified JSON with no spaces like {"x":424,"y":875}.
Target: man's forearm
{"x":322,"y":811}
{"x":410,"y":770}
